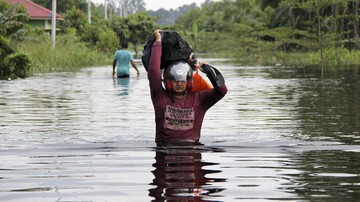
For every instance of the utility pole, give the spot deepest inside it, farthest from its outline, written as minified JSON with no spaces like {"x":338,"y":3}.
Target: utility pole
{"x":105,"y":6}
{"x":89,"y":11}
{"x":53,"y":23}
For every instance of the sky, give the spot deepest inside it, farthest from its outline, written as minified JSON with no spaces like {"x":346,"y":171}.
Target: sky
{"x":166,"y":4}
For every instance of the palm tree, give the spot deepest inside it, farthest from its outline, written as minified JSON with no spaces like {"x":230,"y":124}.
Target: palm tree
{"x":127,"y":7}
{"x":12,"y":20}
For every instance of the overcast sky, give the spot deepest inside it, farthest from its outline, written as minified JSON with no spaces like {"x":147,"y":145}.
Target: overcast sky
{"x":166,"y":4}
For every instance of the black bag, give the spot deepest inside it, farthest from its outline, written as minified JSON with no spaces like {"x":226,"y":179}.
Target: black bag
{"x":174,"y":48}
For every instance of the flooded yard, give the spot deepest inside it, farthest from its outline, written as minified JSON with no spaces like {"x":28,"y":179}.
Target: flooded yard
{"x":283,"y":134}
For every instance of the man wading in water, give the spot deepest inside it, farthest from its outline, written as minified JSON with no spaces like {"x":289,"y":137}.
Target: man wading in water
{"x":179,"y":113}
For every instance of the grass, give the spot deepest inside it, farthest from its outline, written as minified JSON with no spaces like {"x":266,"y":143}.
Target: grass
{"x":68,"y":55}
{"x":71,"y":55}
{"x":332,"y":57}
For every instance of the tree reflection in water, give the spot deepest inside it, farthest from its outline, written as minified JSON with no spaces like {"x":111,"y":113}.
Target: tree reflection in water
{"x":180,"y":175}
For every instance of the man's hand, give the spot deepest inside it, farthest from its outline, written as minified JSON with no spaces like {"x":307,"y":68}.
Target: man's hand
{"x":216,"y":78}
{"x":205,"y":68}
{"x":156,"y":34}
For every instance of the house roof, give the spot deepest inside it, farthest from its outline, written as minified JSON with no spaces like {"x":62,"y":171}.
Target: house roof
{"x":36,"y":11}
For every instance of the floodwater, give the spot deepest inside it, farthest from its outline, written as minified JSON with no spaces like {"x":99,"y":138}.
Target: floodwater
{"x":280,"y":134}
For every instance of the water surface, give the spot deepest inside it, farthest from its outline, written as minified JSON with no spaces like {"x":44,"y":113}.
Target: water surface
{"x":286,"y":134}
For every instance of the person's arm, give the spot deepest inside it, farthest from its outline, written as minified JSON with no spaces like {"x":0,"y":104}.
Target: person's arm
{"x":134,"y":65}
{"x":215,"y":77}
{"x":114,"y":65}
{"x":154,"y":74}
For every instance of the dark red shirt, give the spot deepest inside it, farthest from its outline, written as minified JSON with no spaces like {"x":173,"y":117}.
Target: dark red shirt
{"x":178,"y":119}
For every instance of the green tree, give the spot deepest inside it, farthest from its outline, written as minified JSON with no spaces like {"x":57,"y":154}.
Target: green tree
{"x":108,"y":41}
{"x":12,"y":62}
{"x":124,"y":8}
{"x":135,"y":28}
{"x":12,"y":24}
{"x":74,"y":18}
{"x":346,"y":22}
{"x":316,"y":8}
{"x":12,"y":19}
{"x":64,"y":5}
{"x":132,"y":6}
{"x":100,"y":36}
{"x":338,"y":18}
{"x":194,"y":35}
{"x":226,"y":26}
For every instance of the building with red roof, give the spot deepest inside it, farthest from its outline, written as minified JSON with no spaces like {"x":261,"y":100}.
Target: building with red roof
{"x":39,"y":16}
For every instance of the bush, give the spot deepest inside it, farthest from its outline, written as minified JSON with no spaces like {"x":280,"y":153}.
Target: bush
{"x":19,"y":64}
{"x":12,"y":62}
{"x":108,"y":42}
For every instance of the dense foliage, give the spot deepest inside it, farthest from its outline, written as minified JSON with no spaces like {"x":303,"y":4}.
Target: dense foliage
{"x":12,"y":63}
{"x":12,"y":24}
{"x":273,"y":30}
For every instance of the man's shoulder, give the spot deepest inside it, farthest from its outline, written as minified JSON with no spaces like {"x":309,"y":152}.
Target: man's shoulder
{"x":125,"y":52}
{"x":118,"y":52}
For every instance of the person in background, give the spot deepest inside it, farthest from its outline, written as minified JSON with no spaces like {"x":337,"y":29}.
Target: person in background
{"x":179,"y":113}
{"x":122,"y":58}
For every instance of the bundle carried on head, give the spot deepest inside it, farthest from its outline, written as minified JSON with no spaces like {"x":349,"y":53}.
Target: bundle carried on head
{"x":174,"y":48}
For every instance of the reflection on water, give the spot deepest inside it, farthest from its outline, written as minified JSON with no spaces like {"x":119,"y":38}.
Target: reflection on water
{"x":332,"y":175}
{"x":123,"y":85}
{"x":328,"y":106}
{"x":181,"y":175}
{"x":283,"y":134}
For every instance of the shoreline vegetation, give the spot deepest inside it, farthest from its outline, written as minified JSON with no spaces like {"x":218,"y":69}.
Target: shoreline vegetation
{"x":71,"y":55}
{"x":333,"y":57}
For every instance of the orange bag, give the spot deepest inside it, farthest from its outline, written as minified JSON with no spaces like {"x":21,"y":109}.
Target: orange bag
{"x":199,"y":83}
